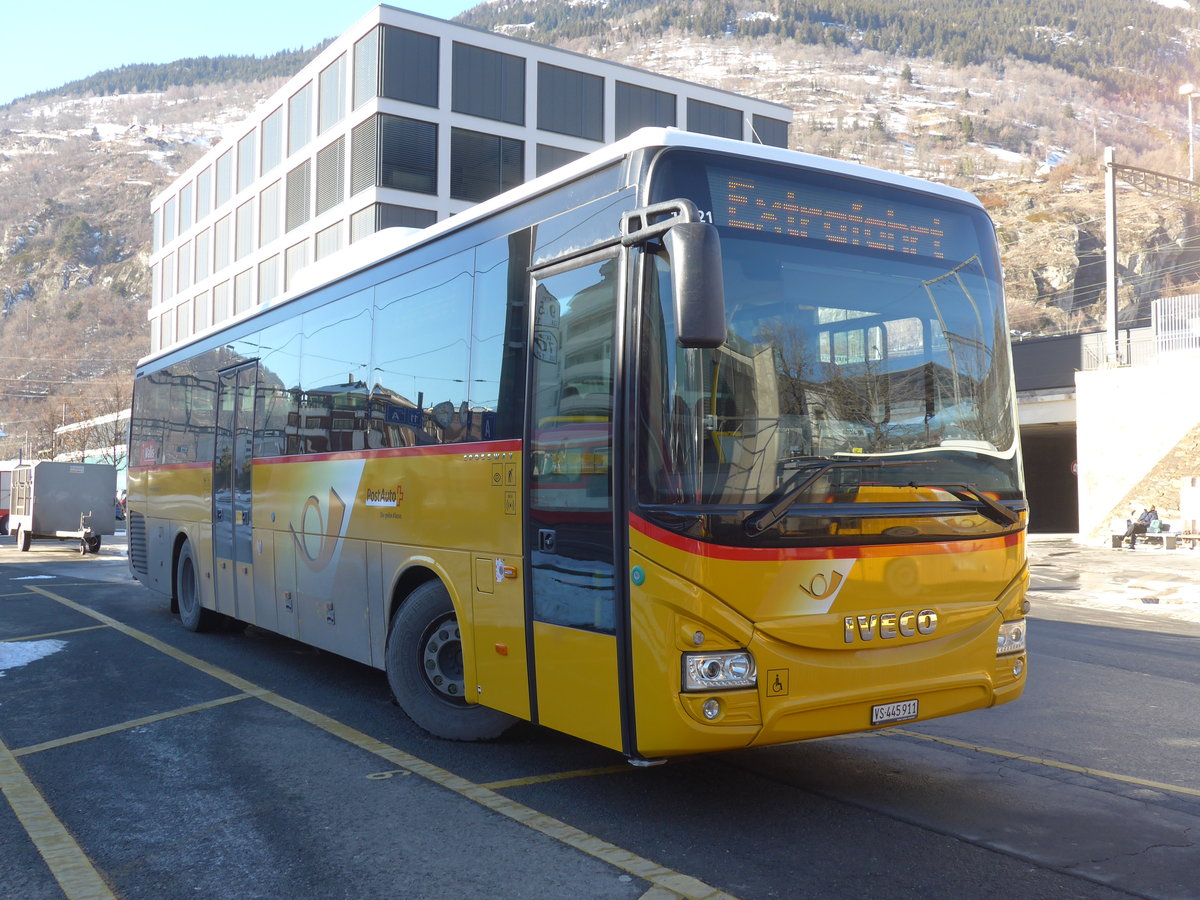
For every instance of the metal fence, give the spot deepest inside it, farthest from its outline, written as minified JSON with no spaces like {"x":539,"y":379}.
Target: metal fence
{"x":1176,"y":323}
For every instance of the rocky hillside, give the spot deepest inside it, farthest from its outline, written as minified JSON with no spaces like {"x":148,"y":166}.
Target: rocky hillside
{"x":76,"y":176}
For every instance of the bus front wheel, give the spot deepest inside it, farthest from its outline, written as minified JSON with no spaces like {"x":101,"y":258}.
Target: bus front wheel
{"x":187,"y":594}
{"x":425,"y":669}
{"x":23,"y":539}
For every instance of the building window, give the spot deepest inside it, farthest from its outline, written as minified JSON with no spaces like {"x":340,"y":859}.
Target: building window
{"x":268,"y":215}
{"x":204,"y":193}
{"x":185,"y":207}
{"x":299,"y":118}
{"x":185,"y":266}
{"x":295,"y":259}
{"x":378,"y":216}
{"x":483,"y":165}
{"x":168,"y":276}
{"x":488,"y":84}
{"x":408,"y":154}
{"x":183,"y":320}
{"x":169,"y":221}
{"x":550,"y":158}
{"x":221,"y":239}
{"x":331,"y":181}
{"x":772,"y":132}
{"x":410,"y":66}
{"x":268,"y":279}
{"x":155,"y":337}
{"x":366,"y":68}
{"x":224,"y":177}
{"x":156,"y":226}
{"x":272,"y":140}
{"x":200,"y":312}
{"x":364,"y":155}
{"x":167,"y":328}
{"x":221,"y":302}
{"x":570,"y":102}
{"x":708,"y":118}
{"x":299,"y":184}
{"x":332,"y":89}
{"x":243,"y":292}
{"x":244,"y":239}
{"x":247,"y":151}
{"x":640,"y":107}
{"x":203,"y":255}
{"x":329,"y":240}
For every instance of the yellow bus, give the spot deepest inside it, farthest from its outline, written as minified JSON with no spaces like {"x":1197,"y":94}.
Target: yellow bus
{"x":690,"y":445}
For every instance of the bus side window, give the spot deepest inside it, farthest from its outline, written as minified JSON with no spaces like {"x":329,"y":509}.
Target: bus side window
{"x":419,"y":360}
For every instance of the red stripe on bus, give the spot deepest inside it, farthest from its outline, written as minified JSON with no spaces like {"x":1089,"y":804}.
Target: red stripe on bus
{"x":170,"y":467}
{"x":472,"y":449}
{"x":869,"y":551}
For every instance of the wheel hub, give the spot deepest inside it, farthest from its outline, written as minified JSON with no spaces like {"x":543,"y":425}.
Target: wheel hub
{"x":442,"y":659}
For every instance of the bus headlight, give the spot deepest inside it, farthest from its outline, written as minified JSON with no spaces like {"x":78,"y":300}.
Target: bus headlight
{"x":1011,"y":638}
{"x":718,"y":671}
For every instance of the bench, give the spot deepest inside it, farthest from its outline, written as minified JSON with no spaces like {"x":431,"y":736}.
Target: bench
{"x":1167,"y":537}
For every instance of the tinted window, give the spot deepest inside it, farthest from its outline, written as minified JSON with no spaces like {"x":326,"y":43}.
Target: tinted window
{"x":420,"y":353}
{"x":570,"y":102}
{"x":772,"y":132}
{"x":333,"y":375}
{"x":489,"y":84}
{"x":408,"y":154}
{"x":708,"y":118}
{"x":483,"y":165}
{"x":638,"y":107}
{"x":277,"y":406}
{"x":410,"y":66}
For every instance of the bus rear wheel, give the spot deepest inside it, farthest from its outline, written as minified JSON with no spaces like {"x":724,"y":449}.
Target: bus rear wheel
{"x":187,"y":594}
{"x":24,"y":539}
{"x":425,"y":669}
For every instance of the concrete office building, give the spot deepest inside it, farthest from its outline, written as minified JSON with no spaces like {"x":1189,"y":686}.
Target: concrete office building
{"x":403,"y":120}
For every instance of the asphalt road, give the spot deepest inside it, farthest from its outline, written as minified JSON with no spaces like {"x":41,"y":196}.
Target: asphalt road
{"x":140,"y":760}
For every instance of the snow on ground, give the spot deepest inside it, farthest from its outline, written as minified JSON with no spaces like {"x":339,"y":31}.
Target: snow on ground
{"x":20,"y":653}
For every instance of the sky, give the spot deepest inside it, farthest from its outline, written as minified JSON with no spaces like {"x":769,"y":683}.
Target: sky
{"x":47,"y":43}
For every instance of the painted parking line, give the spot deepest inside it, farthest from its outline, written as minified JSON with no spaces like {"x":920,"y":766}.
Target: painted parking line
{"x":1051,"y":763}
{"x":127,"y":726}
{"x":50,"y":634}
{"x":557,"y":776}
{"x":68,"y":863}
{"x":662,"y":878}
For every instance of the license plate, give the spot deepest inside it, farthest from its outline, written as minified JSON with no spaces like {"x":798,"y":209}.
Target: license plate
{"x":885,"y":713}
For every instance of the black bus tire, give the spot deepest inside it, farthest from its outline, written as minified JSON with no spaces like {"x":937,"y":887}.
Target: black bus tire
{"x":425,"y":670}
{"x":23,"y":539}
{"x":187,"y":594}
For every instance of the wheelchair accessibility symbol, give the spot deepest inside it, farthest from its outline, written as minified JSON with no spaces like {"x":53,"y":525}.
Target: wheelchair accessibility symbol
{"x":777,"y":682}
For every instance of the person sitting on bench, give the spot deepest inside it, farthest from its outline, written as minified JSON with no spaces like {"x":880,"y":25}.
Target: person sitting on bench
{"x":1140,"y":525}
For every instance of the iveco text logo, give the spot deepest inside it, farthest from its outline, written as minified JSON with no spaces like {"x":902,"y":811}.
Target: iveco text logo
{"x":890,"y":625}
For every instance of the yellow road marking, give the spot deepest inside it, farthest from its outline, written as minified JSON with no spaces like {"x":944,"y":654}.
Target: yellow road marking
{"x":557,"y":776}
{"x":659,"y":876}
{"x":49,"y":634}
{"x":126,"y":726}
{"x":68,"y":863}
{"x":1052,"y":763}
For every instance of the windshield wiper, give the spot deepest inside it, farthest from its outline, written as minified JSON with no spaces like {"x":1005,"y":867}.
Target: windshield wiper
{"x":758,"y":522}
{"x":989,"y":508}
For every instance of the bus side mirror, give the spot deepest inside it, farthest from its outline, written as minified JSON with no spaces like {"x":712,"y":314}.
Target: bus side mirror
{"x":698,"y":284}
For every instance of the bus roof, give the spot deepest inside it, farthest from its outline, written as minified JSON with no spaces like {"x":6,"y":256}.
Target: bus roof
{"x":390,"y":242}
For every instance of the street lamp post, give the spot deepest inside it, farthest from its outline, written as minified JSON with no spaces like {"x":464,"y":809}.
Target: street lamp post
{"x":1189,"y":90}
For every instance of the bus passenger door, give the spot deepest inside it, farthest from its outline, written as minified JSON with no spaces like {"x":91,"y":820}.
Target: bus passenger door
{"x":573,"y":607}
{"x":232,"y":498}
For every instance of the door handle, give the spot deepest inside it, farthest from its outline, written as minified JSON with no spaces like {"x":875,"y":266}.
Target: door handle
{"x":547,"y":540}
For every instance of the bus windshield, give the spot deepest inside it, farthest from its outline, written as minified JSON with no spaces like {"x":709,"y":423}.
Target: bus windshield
{"x":866,"y":358}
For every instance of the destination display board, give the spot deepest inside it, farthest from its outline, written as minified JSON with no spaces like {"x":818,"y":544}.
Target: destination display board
{"x":843,"y":216}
